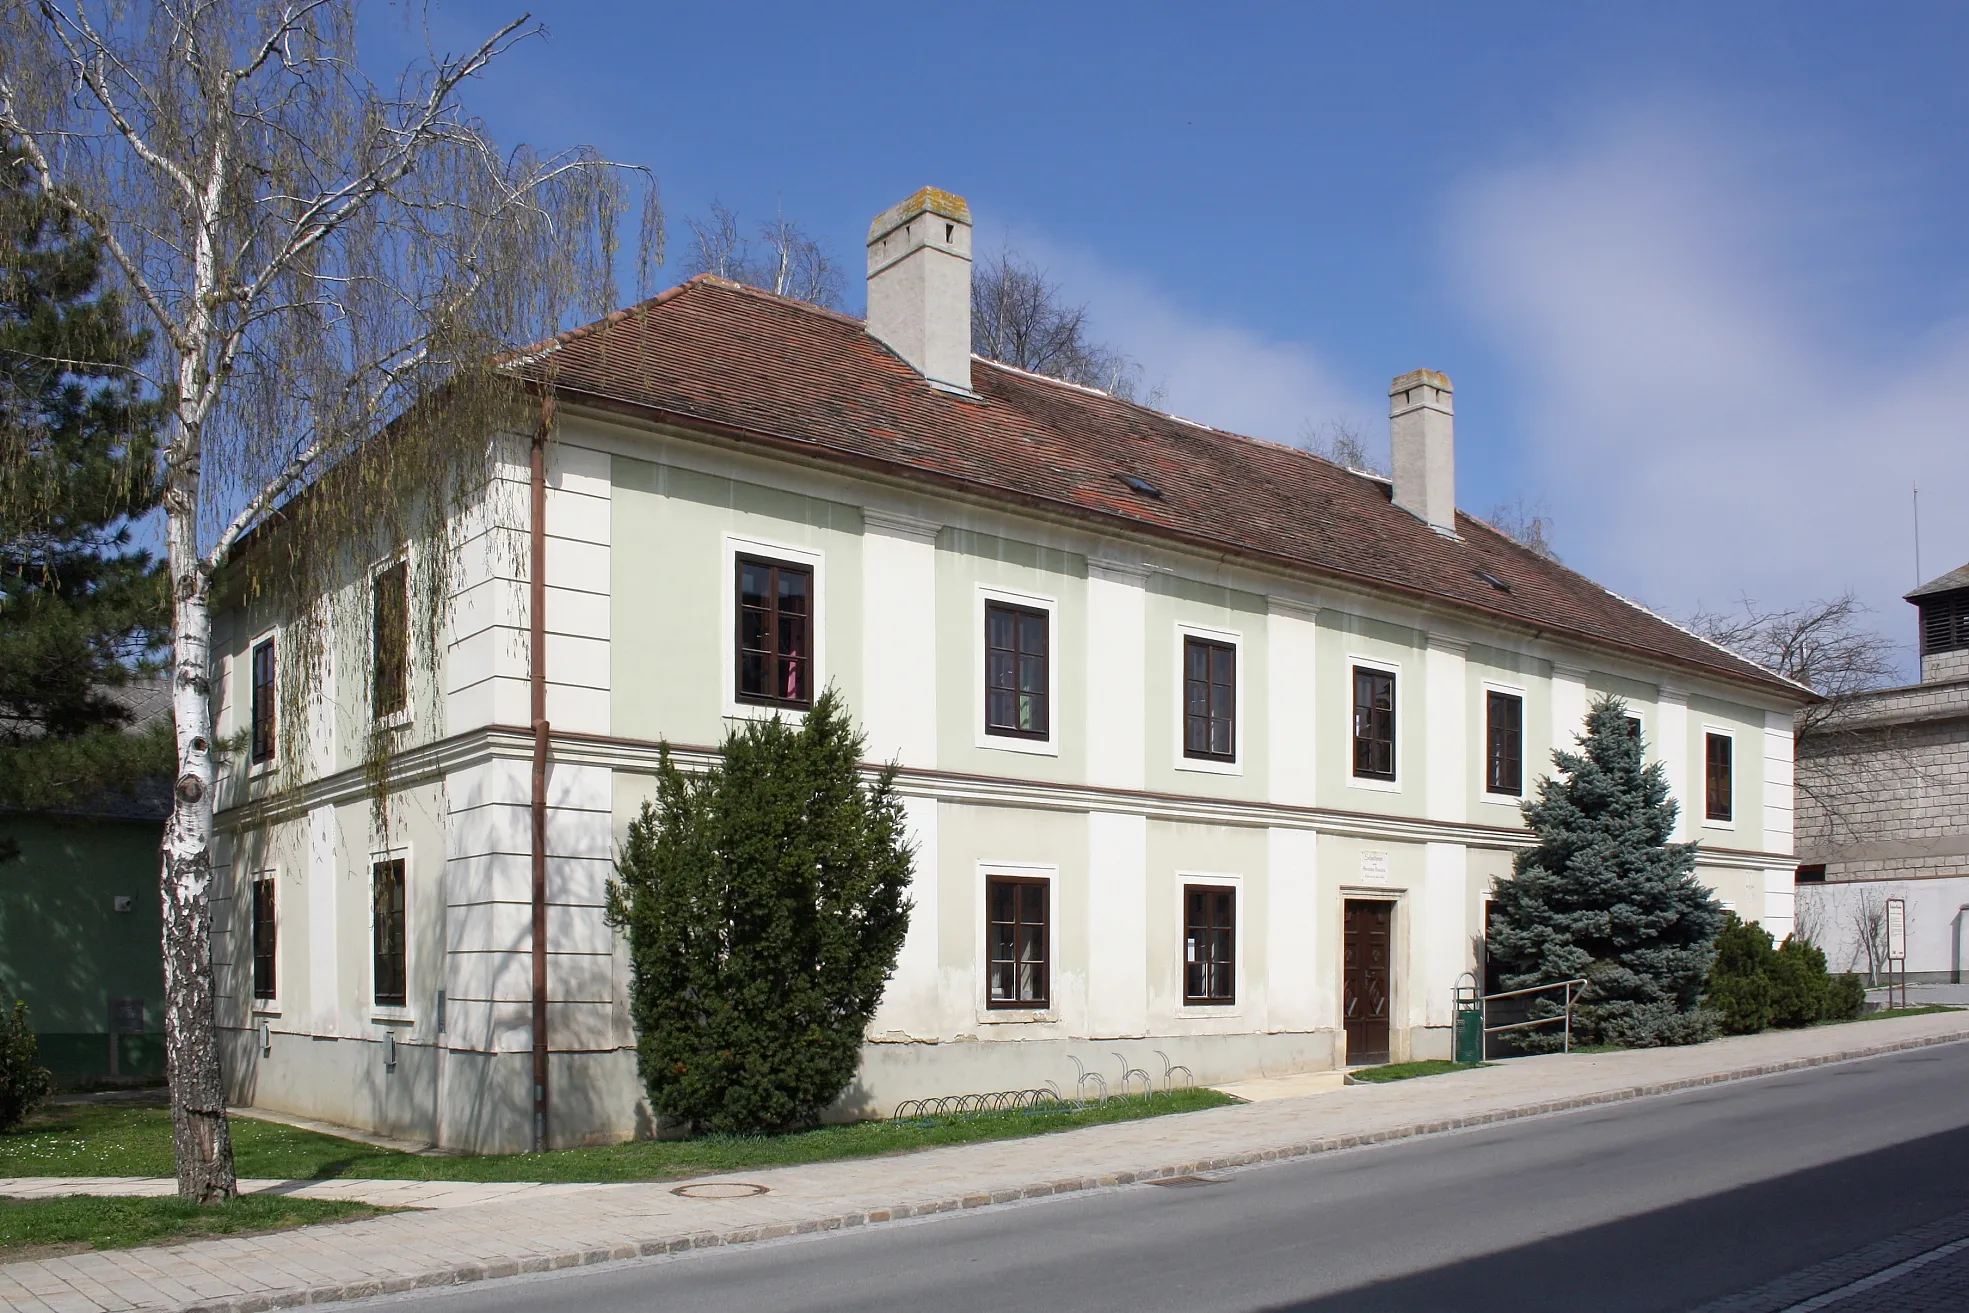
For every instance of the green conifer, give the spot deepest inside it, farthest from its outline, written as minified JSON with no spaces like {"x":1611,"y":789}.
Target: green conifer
{"x":1602,"y":895}
{"x":81,"y":605}
{"x":765,"y":901}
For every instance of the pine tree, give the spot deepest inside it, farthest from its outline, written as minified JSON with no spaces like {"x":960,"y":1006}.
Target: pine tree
{"x":1605,"y":897}
{"x":83,"y":606}
{"x":765,"y":902}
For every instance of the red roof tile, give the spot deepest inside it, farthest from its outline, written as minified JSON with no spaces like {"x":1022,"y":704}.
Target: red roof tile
{"x":784,"y":374}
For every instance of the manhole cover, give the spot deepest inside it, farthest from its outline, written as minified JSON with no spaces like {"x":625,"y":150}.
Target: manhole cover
{"x":718,"y":1190}
{"x":1180,"y":1182}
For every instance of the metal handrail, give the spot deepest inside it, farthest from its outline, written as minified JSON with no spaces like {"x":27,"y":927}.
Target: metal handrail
{"x":1484,"y":1000}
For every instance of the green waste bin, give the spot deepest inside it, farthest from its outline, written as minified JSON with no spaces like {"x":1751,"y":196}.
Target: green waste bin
{"x":1469,"y":1034}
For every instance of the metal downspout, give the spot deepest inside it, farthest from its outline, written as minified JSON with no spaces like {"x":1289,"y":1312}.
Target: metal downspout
{"x":537,"y":636}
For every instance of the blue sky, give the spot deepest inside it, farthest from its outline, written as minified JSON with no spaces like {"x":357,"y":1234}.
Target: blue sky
{"x":1698,"y":271}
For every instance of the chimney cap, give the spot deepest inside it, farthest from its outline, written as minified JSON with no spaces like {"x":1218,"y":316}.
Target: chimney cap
{"x":927,"y":200}
{"x":1415,"y":378}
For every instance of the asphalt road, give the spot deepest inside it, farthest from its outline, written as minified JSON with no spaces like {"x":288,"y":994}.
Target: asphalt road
{"x":1661,"y":1204}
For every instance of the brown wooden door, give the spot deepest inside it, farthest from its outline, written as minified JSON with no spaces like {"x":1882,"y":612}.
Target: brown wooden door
{"x":1365,"y":989}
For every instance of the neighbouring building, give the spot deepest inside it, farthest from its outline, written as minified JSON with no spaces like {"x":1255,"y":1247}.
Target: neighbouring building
{"x":1211,"y":748}
{"x":1883,"y":804}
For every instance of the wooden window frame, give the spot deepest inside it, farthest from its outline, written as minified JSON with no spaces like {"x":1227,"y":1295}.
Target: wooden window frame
{"x":1197,"y":971}
{"x":265,"y":931}
{"x":1504,"y":744}
{"x":263,"y":699}
{"x":389,"y":953}
{"x":389,"y":641}
{"x":1045,"y":923}
{"x":1019,"y":612}
{"x":1209,"y":719}
{"x":777,"y":565}
{"x":1719,"y":804}
{"x":1391,"y":742}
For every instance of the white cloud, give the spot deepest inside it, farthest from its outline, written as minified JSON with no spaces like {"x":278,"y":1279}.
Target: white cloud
{"x":1209,"y":371}
{"x":1697,"y":411}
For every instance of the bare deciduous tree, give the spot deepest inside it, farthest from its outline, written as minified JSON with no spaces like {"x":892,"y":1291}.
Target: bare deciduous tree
{"x":1824,"y":645}
{"x":788,"y":262}
{"x":1869,"y":913}
{"x":318,"y":255}
{"x":1528,"y":522}
{"x":1342,"y":443}
{"x":1019,"y":317}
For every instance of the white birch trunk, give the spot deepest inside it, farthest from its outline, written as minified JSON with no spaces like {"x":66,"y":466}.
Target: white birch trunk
{"x":200,"y":1135}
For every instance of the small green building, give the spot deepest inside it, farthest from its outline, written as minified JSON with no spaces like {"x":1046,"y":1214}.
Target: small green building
{"x":80,"y":927}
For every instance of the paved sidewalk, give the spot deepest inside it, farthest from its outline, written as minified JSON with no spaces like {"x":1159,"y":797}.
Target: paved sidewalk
{"x":595,"y":1224}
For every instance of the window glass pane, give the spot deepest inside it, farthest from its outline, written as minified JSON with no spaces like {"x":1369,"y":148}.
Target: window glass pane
{"x":1032,"y":674}
{"x":753,"y":674}
{"x":998,"y":627}
{"x":755,"y":585}
{"x":1032,"y":633}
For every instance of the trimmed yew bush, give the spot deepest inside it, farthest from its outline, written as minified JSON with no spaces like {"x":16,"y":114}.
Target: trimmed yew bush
{"x":1740,"y":992}
{"x":24,"y":1082}
{"x":1800,"y":988}
{"x":764,"y":900}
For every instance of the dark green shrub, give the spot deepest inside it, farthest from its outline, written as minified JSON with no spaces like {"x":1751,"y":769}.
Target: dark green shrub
{"x":1799,"y":985}
{"x":24,"y":1082}
{"x":1740,"y":989}
{"x":1845,"y":997}
{"x":1602,"y":895}
{"x":765,"y":902}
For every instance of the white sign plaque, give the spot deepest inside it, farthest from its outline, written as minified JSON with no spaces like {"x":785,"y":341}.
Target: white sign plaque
{"x":1374,"y":867}
{"x":1897,"y":929}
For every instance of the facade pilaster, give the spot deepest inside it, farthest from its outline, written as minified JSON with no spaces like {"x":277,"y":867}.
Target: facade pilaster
{"x":1671,"y":745}
{"x":1291,"y":632}
{"x":1116,"y":690}
{"x":1568,"y":706}
{"x":899,"y":649}
{"x":1446,"y":705}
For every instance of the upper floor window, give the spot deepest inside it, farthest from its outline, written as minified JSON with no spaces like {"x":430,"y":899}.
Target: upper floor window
{"x":1717,"y":777}
{"x":775,"y":633}
{"x":265,"y":942}
{"x":1209,"y":699}
{"x":1016,"y":676}
{"x":1634,"y":728}
{"x":390,"y":641}
{"x":389,"y":950}
{"x":263,"y":700}
{"x":1504,"y":735}
{"x":1018,"y":953}
{"x":1374,"y":724}
{"x":1209,"y":944}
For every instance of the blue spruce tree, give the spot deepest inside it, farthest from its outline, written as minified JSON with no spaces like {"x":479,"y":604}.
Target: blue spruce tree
{"x":1605,"y":897}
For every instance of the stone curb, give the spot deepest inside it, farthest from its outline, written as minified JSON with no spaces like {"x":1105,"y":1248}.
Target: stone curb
{"x":466,"y":1273}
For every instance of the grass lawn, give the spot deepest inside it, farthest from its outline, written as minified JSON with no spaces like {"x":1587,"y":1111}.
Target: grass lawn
{"x":42,"y":1228}
{"x":1409,"y":1070}
{"x":104,"y":1140}
{"x":1921,"y":1011}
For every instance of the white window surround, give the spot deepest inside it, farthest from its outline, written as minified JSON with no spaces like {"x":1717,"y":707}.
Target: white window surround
{"x":1347,"y":701}
{"x":735,"y":546}
{"x":260,"y":1007}
{"x":395,"y":719}
{"x":1050,"y":745}
{"x":389,"y":1014}
{"x":990,"y":1016}
{"x":1239,"y":985}
{"x":1511,"y":800}
{"x":1736,"y":803}
{"x":1242,"y":717}
{"x":255,"y":769}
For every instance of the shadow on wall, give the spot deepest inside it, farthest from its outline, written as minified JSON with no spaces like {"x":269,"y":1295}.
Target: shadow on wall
{"x":79,"y":941}
{"x":1682,"y":1256}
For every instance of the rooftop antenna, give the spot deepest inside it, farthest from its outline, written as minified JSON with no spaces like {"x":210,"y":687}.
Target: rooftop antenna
{"x":1917,"y":535}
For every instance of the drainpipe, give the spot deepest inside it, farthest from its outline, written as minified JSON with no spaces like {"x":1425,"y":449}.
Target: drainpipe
{"x":537,"y":625}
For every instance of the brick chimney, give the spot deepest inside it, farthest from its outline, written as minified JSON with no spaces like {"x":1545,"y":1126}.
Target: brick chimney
{"x":919,"y":285}
{"x":1421,"y":430}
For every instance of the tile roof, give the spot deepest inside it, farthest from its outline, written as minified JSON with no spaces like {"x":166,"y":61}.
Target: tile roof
{"x":779,"y":373}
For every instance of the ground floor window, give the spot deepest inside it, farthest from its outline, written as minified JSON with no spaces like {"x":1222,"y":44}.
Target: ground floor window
{"x":1019,"y":942}
{"x":387,"y":880}
{"x":1209,"y":944}
{"x":264,"y":942}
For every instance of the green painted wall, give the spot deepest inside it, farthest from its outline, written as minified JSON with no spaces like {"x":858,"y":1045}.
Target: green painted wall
{"x":67,"y":951}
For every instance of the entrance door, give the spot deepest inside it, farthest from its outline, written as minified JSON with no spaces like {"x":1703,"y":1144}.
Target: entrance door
{"x":1365,"y":986}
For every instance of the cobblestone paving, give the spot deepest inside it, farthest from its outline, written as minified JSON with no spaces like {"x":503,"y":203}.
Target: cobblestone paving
{"x":1941,"y":1286}
{"x":593,"y":1224}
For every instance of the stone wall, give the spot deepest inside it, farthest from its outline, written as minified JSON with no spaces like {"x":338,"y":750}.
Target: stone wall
{"x":1883,"y":787}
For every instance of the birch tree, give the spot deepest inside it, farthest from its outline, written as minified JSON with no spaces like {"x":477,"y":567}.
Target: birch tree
{"x":333,"y":269}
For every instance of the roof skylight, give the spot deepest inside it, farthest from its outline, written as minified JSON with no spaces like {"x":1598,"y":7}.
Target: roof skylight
{"x":1139,"y":484}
